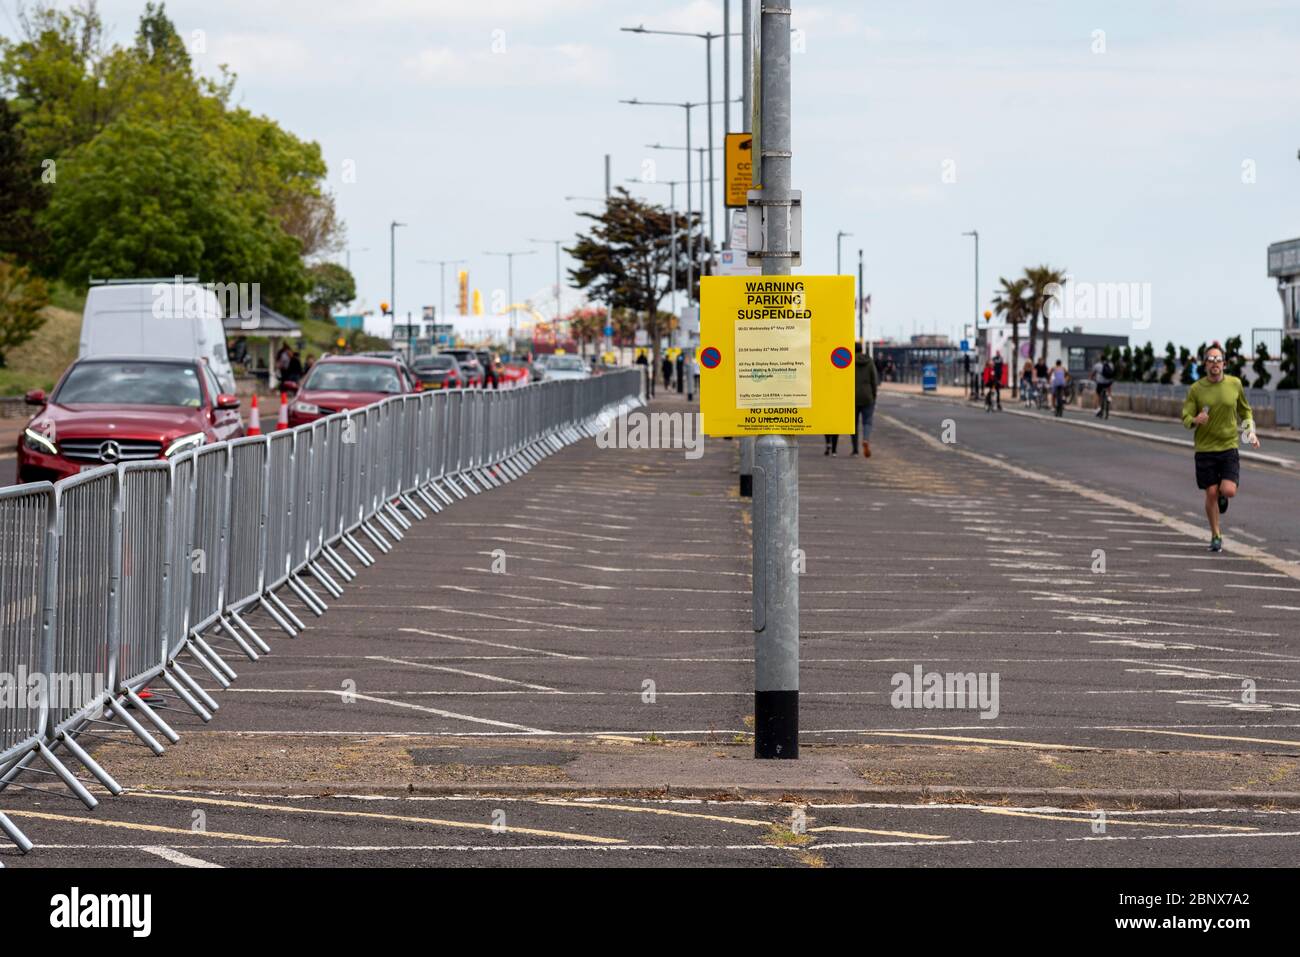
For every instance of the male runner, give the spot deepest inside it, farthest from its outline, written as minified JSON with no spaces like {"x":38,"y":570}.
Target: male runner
{"x":1216,"y":407}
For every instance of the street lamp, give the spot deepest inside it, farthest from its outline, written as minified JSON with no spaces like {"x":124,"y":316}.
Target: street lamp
{"x":708,"y":38}
{"x":672,"y":185}
{"x":392,"y":267}
{"x":839,"y":271}
{"x":700,"y":151}
{"x":442,"y":265}
{"x":975,"y":379}
{"x":557,"y":242}
{"x":510,"y":290}
{"x":687,"y":106}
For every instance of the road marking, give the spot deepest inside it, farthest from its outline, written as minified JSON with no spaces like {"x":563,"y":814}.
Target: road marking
{"x":1264,"y":587}
{"x":492,"y":644}
{"x":502,"y":595}
{"x":459,"y":671}
{"x":1283,"y":607}
{"x":965,"y":740}
{"x":1212,"y":737}
{"x":176,"y":857}
{"x":151,"y":828}
{"x":745,"y":821}
{"x":375,"y":815}
{"x":1109,"y":820}
{"x":518,"y":621}
{"x":396,"y":704}
{"x":1226,"y":571}
{"x":1112,"y":501}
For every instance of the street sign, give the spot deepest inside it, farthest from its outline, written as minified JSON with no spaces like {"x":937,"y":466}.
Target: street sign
{"x":733,"y":263}
{"x":739,"y":156}
{"x":642,"y":338}
{"x":776,"y":355}
{"x":609,"y":330}
{"x":965,"y":345}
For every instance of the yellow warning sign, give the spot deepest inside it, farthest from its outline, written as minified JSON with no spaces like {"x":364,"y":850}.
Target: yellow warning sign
{"x":740,"y":167}
{"x":776,"y":355}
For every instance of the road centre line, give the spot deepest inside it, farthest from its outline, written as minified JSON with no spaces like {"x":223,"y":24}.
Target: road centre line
{"x":375,"y":815}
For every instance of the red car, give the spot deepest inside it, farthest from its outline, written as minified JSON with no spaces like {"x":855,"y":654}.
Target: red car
{"x":340,"y":383}
{"x":124,"y":409}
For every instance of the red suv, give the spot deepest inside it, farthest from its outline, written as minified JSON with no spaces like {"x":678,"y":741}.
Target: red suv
{"x":112,"y":409}
{"x":340,"y":383}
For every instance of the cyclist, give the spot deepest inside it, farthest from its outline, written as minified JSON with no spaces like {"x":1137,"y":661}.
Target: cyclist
{"x":1058,"y":388}
{"x":1103,"y":373}
{"x":1216,"y":408}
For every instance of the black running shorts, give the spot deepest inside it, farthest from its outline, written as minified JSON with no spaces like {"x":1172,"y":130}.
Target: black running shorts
{"x":1214,"y":467}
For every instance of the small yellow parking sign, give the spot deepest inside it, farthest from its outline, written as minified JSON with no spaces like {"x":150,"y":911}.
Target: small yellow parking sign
{"x":776,"y":354}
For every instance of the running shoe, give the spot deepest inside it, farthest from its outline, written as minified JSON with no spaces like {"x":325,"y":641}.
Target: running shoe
{"x":1216,"y":543}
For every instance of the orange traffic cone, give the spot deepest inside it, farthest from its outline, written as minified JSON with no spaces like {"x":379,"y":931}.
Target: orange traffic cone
{"x":254,"y":419}
{"x":283,"y":421}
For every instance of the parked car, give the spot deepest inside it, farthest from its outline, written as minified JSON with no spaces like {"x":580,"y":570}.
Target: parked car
{"x":163,"y":318}
{"x":567,"y":367}
{"x":469,"y":362}
{"x":341,"y":383}
{"x":439,"y":372}
{"x":539,"y":366}
{"x":397,"y":355}
{"x":114,"y":409}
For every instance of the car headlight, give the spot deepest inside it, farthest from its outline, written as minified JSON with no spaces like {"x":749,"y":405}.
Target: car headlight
{"x":306,"y":408}
{"x":185,"y":443}
{"x":39,"y":443}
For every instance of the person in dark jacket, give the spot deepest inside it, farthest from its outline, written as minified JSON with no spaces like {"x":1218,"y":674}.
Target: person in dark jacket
{"x":866,"y":383}
{"x":667,"y":368}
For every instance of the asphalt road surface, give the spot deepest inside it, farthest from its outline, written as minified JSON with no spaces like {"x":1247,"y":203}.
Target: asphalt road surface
{"x":603,"y":603}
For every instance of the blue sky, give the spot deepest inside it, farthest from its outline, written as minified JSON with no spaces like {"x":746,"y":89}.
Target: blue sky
{"x":1169,"y":159}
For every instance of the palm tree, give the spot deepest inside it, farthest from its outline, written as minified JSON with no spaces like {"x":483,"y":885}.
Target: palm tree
{"x":1010,"y":301}
{"x":1043,"y":282}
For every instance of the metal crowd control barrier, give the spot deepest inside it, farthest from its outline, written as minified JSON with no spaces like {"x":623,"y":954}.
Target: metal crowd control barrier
{"x":109,"y":577}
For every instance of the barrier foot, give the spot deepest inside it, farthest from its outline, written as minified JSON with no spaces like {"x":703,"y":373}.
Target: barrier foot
{"x":154,"y":718}
{"x":214,"y":658}
{"x":217,"y":675}
{"x":183,"y":693}
{"x":253,"y":636}
{"x":431,"y":503}
{"x":401,"y":520}
{"x":381,"y":543}
{"x":487,"y":480}
{"x":412,"y":507}
{"x":238,"y":639}
{"x":18,"y":837}
{"x":67,"y":777}
{"x":469,"y":482}
{"x":136,"y":727}
{"x":195,"y":688}
{"x":326,"y":581}
{"x":389,"y":527}
{"x":343,"y":568}
{"x":279,"y":619}
{"x":287,"y":611}
{"x":441,"y":492}
{"x":455,"y":487}
{"x":90,"y":764}
{"x":307,"y":596}
{"x":361,"y":555}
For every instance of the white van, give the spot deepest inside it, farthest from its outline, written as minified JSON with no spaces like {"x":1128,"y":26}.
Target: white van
{"x":171,"y":318}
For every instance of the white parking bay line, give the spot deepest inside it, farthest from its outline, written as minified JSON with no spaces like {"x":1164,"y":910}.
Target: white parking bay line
{"x":455,"y":716}
{"x":176,"y":857}
{"x":493,"y":644}
{"x":459,"y":671}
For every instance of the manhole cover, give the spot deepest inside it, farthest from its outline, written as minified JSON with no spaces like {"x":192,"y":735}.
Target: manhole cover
{"x":490,"y":757}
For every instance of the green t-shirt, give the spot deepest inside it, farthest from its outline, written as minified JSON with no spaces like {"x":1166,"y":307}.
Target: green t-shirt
{"x":1229,"y":413}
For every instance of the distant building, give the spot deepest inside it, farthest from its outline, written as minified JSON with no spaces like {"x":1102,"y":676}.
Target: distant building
{"x":1078,"y":351}
{"x":1284,"y":266}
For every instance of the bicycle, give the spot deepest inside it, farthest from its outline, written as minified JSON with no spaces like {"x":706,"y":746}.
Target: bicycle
{"x":1103,"y":402}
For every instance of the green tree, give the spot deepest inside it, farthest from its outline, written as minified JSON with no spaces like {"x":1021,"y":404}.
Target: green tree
{"x":1289,"y":380}
{"x":1011,"y":302}
{"x":1185,"y":362}
{"x":331,"y":286}
{"x":1262,"y":376}
{"x":157,"y":41}
{"x":1148,"y":363}
{"x":22,"y":297}
{"x":1045,"y":284}
{"x":626,"y":258}
{"x":1125,"y":371}
{"x":1234,"y":362}
{"x":22,"y":194}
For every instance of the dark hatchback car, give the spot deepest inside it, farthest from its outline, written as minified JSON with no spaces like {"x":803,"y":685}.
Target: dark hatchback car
{"x":473,"y":369}
{"x":341,"y":383}
{"x":109,"y":410}
{"x":439,"y":372}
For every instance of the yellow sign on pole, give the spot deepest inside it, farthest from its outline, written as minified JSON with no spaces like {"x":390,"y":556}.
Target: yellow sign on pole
{"x":776,"y":355}
{"x":740,"y":168}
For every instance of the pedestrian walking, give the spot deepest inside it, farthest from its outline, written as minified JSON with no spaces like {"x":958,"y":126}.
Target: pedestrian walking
{"x":1058,"y":388}
{"x":866,"y":386}
{"x":999,"y":370}
{"x":667,"y":367}
{"x":692,"y":377}
{"x":490,"y":371}
{"x":1216,"y":407}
